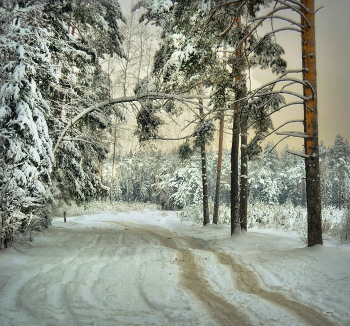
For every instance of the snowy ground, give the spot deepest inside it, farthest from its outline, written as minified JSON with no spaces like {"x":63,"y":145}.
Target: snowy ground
{"x":148,"y":268}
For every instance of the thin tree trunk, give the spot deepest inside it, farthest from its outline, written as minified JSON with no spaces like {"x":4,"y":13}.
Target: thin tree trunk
{"x":235,"y":140}
{"x":113,"y":161}
{"x":205,"y":186}
{"x":140,"y":62}
{"x":312,"y":166}
{"x":347,"y":226}
{"x":218,"y":170}
{"x":234,"y":169}
{"x":243,"y":202}
{"x":2,"y":229}
{"x":204,"y":175}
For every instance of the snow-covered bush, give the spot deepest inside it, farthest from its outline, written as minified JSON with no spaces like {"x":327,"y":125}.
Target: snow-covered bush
{"x":194,"y":213}
{"x":335,"y":222}
{"x":94,"y":207}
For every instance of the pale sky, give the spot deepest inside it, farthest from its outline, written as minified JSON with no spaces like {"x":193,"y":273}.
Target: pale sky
{"x":333,"y":70}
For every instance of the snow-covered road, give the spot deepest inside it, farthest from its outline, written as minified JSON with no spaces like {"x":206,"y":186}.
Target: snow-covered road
{"x":119,"y":269}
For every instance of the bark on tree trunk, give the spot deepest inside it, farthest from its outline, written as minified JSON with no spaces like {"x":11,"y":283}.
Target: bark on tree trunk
{"x":205,"y":186}
{"x":236,"y":136}
{"x":243,"y":202}
{"x":113,"y":162}
{"x":312,"y":167}
{"x":218,"y":170}
{"x":1,"y":230}
{"x":204,"y":176}
{"x":234,"y":169}
{"x":347,"y":227}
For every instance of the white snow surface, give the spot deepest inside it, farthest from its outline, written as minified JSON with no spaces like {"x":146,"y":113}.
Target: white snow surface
{"x":117,"y":269}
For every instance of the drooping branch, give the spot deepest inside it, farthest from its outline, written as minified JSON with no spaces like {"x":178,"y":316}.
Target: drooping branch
{"x":260,"y":20}
{"x":298,"y":153}
{"x":284,"y":79}
{"x":185,"y":99}
{"x":281,"y":140}
{"x":292,"y":134}
{"x":274,"y":32}
{"x":128,"y":99}
{"x":279,"y":109}
{"x":284,"y":124}
{"x":284,"y":92}
{"x":293,"y":22}
{"x":295,"y":2}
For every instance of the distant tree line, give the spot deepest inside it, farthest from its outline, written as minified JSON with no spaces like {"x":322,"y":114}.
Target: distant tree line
{"x":276,"y":177}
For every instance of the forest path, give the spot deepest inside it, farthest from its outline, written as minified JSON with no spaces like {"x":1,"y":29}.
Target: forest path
{"x":225,"y":311}
{"x":122,"y":273}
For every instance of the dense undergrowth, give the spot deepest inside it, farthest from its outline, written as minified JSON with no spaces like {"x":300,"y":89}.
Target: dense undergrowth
{"x":336,"y":222}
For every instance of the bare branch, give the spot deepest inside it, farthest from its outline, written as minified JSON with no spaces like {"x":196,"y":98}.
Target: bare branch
{"x":179,"y":138}
{"x":277,"y":17}
{"x":287,"y":6}
{"x":277,"y":144}
{"x":281,"y":126}
{"x":298,"y":154}
{"x":284,"y":79}
{"x":295,"y":2}
{"x":293,"y":134}
{"x":77,"y":139}
{"x":318,"y":9}
{"x":304,"y":98}
{"x":126,"y":99}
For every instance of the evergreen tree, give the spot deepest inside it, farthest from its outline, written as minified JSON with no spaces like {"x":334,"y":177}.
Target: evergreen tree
{"x":25,"y":145}
{"x":83,"y":32}
{"x":339,"y":172}
{"x":49,"y":74}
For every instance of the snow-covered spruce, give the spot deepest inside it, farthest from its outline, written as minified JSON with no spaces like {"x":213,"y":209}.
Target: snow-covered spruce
{"x":25,"y":145}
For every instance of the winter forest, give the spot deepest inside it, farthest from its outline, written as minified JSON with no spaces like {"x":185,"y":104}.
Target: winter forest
{"x":149,"y":177}
{"x":157,"y":106}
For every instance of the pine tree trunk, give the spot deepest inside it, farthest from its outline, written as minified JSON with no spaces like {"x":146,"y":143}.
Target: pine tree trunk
{"x":236,"y":136}
{"x":234,"y":169}
{"x":218,"y":170}
{"x":243,"y":202}
{"x":312,"y":166}
{"x":204,"y":176}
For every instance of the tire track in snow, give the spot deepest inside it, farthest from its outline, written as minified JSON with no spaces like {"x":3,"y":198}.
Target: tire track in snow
{"x":193,"y":278}
{"x":245,"y":280}
{"x":85,"y":282}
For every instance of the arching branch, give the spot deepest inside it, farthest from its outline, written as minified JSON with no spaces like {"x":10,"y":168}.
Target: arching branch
{"x":281,"y":140}
{"x":293,"y":22}
{"x":128,"y":99}
{"x":295,"y":2}
{"x":284,"y":79}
